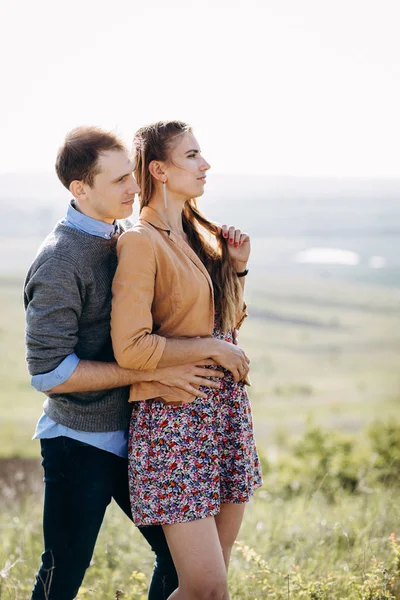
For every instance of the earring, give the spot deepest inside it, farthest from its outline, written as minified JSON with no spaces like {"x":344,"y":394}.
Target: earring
{"x":165,"y":194}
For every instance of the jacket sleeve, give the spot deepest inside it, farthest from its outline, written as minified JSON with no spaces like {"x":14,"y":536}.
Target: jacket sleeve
{"x":53,"y":303}
{"x":135,"y":346}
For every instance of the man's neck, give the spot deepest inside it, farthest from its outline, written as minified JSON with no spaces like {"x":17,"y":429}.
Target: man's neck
{"x":90,"y":213}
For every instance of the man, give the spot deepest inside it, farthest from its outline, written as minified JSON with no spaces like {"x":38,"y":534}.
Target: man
{"x":83,"y":430}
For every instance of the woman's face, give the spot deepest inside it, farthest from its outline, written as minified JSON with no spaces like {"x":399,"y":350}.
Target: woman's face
{"x":186,"y":169}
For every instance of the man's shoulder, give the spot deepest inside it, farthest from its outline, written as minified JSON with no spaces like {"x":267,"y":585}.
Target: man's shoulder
{"x":59,"y":245}
{"x":67,"y":244}
{"x":63,"y":253}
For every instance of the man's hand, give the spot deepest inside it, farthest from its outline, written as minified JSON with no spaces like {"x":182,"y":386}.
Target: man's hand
{"x":189,"y":377}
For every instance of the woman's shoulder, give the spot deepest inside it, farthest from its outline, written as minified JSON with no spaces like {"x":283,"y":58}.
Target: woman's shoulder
{"x":137,"y":237}
{"x":138,"y":231}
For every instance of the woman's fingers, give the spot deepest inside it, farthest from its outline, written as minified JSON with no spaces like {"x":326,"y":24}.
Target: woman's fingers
{"x":236,"y":375}
{"x":244,"y":237}
{"x":234,"y":235}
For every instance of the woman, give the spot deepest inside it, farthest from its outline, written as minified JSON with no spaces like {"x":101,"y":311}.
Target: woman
{"x":177,"y":299}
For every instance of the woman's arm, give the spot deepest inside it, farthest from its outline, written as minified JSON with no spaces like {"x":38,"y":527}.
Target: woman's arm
{"x":134,"y":344}
{"x":239,"y":251}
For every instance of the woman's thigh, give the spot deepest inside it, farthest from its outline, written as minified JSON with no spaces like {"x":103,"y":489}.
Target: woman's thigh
{"x":196,"y":550}
{"x":228,"y":522}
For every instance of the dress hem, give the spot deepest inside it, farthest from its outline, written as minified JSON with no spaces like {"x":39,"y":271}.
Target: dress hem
{"x":211,"y":513}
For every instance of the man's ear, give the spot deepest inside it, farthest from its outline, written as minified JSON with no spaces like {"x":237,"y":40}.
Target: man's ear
{"x":78,"y":189}
{"x":157,"y":170}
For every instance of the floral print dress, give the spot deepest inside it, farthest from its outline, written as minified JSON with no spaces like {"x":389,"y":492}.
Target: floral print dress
{"x":187,"y":460}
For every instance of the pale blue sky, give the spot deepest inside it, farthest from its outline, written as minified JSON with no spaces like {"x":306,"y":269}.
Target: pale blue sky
{"x":302,"y":87}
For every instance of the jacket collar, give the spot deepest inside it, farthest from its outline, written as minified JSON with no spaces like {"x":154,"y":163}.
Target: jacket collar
{"x":151,"y":216}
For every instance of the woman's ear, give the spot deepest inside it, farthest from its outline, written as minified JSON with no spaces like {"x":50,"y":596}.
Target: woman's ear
{"x":157,"y":170}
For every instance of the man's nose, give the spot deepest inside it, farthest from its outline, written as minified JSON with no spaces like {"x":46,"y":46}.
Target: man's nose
{"x":133,"y":186}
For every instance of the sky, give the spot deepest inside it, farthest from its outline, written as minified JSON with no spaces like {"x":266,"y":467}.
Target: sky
{"x":279,"y":87}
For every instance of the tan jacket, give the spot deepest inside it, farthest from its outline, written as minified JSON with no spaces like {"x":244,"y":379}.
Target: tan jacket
{"x":161,"y":289}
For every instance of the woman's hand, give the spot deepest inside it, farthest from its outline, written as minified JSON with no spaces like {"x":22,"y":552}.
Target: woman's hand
{"x":238,"y":246}
{"x":232,"y":358}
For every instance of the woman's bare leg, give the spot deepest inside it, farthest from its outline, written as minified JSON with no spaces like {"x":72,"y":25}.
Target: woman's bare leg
{"x":196,"y":551}
{"x":228,"y":523}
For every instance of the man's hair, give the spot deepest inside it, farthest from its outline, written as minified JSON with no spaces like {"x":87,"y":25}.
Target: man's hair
{"x":78,"y":157}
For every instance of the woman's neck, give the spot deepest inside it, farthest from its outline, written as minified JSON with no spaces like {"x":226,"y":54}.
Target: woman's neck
{"x":172,"y":215}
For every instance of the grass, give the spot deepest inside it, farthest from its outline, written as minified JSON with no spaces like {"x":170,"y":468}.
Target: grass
{"x":304,"y":546}
{"x":325,"y":525}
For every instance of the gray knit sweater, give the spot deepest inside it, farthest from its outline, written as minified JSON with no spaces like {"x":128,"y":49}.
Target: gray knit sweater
{"x":67,"y":299}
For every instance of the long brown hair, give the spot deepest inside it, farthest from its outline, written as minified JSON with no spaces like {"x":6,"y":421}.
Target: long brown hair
{"x":155,"y":142}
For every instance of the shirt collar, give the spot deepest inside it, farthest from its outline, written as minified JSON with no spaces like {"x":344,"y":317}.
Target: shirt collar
{"x":82,"y":222}
{"x":150,"y":215}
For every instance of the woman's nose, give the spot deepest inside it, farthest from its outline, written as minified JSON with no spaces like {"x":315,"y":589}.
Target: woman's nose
{"x":205,"y":166}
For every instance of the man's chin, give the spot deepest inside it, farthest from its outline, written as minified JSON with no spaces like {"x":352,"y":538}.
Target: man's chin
{"x":125,"y":212}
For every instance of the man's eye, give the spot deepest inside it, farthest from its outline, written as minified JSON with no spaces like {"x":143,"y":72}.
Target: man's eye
{"x":191,"y":155}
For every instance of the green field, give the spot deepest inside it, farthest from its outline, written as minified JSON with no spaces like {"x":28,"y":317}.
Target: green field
{"x":325,"y":366}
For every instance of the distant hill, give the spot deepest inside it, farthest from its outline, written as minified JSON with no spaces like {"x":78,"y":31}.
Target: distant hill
{"x":45,"y":187}
{"x":284,"y":215}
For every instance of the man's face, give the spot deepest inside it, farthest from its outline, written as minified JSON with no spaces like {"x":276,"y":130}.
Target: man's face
{"x":113,"y":191}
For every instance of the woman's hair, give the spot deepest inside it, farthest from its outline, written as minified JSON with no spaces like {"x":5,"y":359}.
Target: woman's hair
{"x":155,"y":142}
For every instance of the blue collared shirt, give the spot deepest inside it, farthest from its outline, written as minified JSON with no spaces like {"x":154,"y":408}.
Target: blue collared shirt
{"x":111,"y":441}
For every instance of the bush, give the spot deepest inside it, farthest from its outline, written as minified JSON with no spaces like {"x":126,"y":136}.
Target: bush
{"x":322,"y":461}
{"x":385,"y":442}
{"x":329,"y":462}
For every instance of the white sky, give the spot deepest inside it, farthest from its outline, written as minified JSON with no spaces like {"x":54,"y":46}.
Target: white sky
{"x":302,"y":87}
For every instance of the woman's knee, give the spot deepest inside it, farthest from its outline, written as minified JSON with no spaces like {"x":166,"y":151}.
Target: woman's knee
{"x":211,"y":588}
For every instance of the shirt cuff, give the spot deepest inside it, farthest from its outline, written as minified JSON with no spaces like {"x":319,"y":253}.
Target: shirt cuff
{"x":47,"y":381}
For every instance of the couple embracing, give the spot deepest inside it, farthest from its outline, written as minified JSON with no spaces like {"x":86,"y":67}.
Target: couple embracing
{"x":148,"y":406}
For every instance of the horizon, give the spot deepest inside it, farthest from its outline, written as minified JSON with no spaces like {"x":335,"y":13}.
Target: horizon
{"x":43,"y":188}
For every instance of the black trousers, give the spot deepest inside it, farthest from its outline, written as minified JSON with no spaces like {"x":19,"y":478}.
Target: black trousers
{"x":80,"y":481}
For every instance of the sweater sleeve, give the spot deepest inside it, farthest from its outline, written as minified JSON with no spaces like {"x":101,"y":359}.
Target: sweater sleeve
{"x":135,"y":346}
{"x":53,"y":302}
